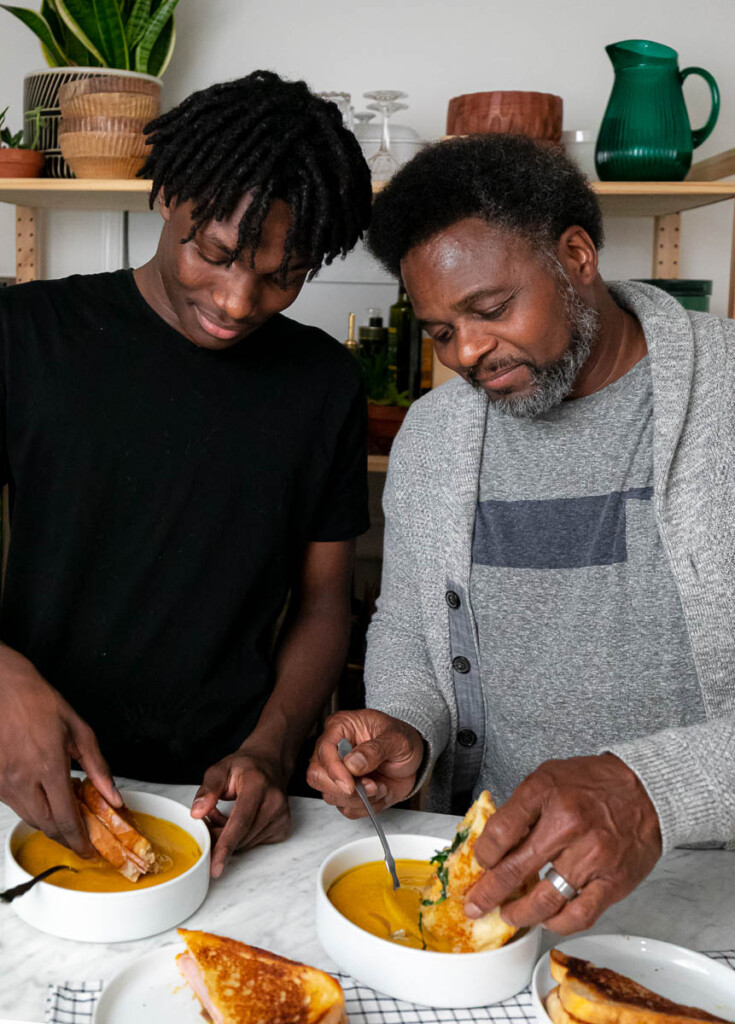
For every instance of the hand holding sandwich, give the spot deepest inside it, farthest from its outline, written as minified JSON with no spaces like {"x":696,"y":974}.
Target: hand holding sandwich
{"x":589,"y":816}
{"x":39,"y":735}
{"x":386,"y":757}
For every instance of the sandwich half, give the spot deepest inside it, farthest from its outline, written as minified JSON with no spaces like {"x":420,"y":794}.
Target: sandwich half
{"x":597,"y":995}
{"x":444,"y":925}
{"x":240,"y":984}
{"x":113,"y":834}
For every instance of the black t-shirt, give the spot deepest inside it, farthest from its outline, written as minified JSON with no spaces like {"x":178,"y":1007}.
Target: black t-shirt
{"x":161,"y":498}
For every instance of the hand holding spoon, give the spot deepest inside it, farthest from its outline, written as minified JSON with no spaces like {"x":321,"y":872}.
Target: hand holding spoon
{"x":343,"y":749}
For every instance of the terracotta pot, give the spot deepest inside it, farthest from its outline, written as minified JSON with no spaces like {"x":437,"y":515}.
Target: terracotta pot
{"x":20,"y":163}
{"x":536,"y":114}
{"x":384,"y":422}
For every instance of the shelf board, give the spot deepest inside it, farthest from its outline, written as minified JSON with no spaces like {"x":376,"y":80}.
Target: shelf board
{"x":76,"y":194}
{"x":617,"y":198}
{"x":659,"y":198}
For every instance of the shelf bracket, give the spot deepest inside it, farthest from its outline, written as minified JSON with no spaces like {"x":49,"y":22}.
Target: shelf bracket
{"x":26,"y":244}
{"x":666,"y":241}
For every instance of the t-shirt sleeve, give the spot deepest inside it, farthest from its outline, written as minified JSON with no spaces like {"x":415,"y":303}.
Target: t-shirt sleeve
{"x":342,"y":512}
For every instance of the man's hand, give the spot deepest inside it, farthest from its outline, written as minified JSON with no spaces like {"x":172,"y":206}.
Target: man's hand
{"x":386,"y":757}
{"x":592,"y":818}
{"x":257,"y":784}
{"x":39,"y":734}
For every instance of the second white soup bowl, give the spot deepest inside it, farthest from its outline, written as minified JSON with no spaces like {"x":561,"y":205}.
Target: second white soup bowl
{"x":450,"y":980}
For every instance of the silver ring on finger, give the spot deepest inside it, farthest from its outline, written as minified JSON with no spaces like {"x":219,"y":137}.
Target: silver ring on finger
{"x":561,"y":885}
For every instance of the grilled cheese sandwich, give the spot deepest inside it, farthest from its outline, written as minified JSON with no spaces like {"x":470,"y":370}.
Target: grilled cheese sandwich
{"x":587,"y":994}
{"x":240,"y":984}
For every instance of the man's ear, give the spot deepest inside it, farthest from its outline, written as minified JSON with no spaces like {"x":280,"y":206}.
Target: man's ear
{"x":163,"y":209}
{"x":577,"y":253}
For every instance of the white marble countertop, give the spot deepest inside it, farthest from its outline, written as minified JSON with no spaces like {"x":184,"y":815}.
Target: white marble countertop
{"x":266,"y":898}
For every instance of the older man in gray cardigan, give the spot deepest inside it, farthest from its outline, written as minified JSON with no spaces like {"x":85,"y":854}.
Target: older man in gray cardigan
{"x":558,"y":598}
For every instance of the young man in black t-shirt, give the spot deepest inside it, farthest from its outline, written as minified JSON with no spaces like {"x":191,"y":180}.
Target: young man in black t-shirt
{"x":183,"y":461}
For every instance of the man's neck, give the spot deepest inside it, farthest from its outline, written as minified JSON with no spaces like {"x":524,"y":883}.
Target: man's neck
{"x":621,"y":344}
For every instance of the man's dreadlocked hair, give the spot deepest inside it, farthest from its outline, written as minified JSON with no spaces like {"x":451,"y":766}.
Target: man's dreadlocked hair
{"x":274,"y":140}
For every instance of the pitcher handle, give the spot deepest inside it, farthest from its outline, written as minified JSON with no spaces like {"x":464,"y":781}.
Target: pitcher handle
{"x":700,"y":134}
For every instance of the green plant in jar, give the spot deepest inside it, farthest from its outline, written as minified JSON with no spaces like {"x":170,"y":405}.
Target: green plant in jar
{"x":129,"y":35}
{"x":17,"y":140}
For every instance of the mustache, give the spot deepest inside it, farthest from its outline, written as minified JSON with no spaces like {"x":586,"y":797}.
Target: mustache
{"x":487,"y":367}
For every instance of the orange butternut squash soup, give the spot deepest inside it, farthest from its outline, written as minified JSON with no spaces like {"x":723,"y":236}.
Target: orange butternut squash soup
{"x":180,"y":852}
{"x":365,"y":896}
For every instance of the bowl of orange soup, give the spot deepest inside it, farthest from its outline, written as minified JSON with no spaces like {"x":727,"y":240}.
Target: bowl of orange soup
{"x":373,"y":932}
{"x":97,"y":904}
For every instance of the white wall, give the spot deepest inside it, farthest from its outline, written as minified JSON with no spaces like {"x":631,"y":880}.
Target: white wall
{"x":433,"y":50}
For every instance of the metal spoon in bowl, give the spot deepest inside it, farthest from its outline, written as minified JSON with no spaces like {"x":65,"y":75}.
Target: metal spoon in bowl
{"x":343,"y":749}
{"x":20,"y":890}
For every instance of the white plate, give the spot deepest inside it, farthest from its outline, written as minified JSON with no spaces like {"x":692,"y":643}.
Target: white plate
{"x":672,"y":971}
{"x":149,"y":991}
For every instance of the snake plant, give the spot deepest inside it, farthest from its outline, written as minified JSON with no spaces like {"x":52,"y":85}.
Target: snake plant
{"x":134,"y":35}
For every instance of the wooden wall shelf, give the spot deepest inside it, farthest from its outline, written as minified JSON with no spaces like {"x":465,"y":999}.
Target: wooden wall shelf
{"x":617,"y":198}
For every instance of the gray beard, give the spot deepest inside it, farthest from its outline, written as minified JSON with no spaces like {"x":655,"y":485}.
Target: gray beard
{"x":551,"y":384}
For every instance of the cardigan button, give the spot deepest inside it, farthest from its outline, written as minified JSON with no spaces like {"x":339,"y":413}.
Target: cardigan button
{"x":461,"y":664}
{"x":466,"y":738}
{"x":452,"y":599}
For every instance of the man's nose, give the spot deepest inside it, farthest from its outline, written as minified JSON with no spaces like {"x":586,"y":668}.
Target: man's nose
{"x":237,"y":296}
{"x":473,"y":341}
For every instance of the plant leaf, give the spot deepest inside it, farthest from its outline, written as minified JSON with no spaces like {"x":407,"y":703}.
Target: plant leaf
{"x":137,"y":23}
{"x":162,"y":52}
{"x":40,"y":27}
{"x":112,"y":32}
{"x":80,"y":20}
{"x":75,"y":51}
{"x":155,"y":27}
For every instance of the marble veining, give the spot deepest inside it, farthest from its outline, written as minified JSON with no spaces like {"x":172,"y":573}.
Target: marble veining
{"x":266,"y":898}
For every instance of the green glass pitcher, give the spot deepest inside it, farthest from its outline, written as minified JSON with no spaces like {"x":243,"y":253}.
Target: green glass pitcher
{"x":645,"y":134}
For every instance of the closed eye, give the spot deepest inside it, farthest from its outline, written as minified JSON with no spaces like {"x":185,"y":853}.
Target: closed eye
{"x":494,"y":314}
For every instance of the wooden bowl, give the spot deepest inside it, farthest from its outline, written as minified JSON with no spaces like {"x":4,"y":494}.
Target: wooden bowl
{"x":112,"y":104}
{"x":535,"y":114}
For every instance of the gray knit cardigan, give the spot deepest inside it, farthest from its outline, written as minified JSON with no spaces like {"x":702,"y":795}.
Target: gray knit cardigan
{"x":430,"y":497}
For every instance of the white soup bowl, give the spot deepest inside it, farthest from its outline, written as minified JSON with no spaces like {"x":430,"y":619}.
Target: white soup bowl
{"x":114,"y":916}
{"x":449,"y":980}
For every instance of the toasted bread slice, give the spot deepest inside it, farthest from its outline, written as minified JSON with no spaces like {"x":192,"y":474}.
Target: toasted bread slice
{"x":597,"y":995}
{"x":240,"y":984}
{"x":443,"y":920}
{"x":556,"y":1011}
{"x":113,"y":835}
{"x":119,"y":823}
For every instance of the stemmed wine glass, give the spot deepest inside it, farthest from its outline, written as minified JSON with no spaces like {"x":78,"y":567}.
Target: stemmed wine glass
{"x":383,"y":164}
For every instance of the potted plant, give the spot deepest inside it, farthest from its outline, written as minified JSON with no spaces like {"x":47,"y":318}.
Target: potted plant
{"x":128,"y":38}
{"x":387,"y":406}
{"x":19,"y":159}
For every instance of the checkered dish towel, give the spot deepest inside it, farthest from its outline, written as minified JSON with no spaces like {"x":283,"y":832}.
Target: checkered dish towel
{"x":74,"y":1003}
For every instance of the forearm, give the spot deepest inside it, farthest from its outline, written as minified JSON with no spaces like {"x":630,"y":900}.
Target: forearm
{"x":309,"y":661}
{"x":689,"y":774}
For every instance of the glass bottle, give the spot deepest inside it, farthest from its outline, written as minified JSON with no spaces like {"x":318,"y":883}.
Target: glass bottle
{"x":404,"y":345}
{"x":374,"y":336}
